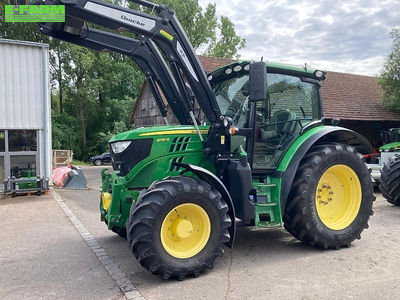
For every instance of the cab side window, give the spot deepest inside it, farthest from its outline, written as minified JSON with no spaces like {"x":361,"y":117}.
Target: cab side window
{"x":289,"y":106}
{"x":233,"y":98}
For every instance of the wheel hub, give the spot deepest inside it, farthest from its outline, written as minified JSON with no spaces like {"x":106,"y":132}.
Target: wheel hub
{"x":185,"y":230}
{"x":338,"y":197}
{"x":182,"y":228}
{"x":324,"y":194}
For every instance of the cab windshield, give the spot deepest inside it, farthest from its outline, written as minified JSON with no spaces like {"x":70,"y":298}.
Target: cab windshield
{"x":291,"y":104}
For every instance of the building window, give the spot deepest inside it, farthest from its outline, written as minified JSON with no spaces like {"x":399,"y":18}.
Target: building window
{"x":23,"y":165}
{"x":22,"y":140}
{"x":19,"y":155}
{"x":2,"y":170}
{"x":2,"y":141}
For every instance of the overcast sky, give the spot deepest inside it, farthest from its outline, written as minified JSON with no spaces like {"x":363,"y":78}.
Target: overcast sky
{"x":334,"y":35}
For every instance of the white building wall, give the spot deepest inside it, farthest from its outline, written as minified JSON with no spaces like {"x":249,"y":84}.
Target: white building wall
{"x":25,"y":94}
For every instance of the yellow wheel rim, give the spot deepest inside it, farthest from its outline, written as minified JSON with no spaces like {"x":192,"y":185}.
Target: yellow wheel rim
{"x":185,"y":230}
{"x":338,"y":197}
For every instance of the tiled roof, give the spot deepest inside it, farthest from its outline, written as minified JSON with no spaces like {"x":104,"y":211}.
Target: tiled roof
{"x":354,"y":97}
{"x":345,"y":96}
{"x":211,"y":63}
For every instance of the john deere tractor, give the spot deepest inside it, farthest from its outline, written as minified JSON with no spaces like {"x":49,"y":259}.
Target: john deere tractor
{"x":389,"y":178}
{"x":259,"y":150}
{"x":391,"y":147}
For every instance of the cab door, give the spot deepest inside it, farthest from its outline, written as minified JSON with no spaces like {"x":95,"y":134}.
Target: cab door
{"x":291,"y":104}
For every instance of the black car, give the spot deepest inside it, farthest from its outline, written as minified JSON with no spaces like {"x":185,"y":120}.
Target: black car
{"x":104,"y":158}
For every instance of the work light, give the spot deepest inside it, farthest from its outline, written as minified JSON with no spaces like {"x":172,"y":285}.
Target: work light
{"x":118,"y":147}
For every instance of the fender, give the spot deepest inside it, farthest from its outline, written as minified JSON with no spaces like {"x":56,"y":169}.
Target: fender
{"x":329,"y":134}
{"x":215,"y":182}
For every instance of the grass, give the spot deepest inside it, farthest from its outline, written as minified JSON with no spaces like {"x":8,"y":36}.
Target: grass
{"x":80,"y":163}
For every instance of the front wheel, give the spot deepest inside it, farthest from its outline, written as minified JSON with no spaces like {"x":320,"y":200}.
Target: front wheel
{"x":178,"y":227}
{"x":97,"y":162}
{"x":331,"y":198}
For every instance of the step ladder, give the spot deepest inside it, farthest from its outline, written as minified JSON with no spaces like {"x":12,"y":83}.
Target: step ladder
{"x":267,"y":209}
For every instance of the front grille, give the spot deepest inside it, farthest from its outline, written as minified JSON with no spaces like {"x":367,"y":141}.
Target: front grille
{"x":131,"y":156}
{"x":179,"y":144}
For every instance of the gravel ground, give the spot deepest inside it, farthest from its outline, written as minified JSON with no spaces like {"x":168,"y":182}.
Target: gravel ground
{"x":43,"y":256}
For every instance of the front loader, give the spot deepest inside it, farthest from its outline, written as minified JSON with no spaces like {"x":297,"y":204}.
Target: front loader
{"x":259,"y":151}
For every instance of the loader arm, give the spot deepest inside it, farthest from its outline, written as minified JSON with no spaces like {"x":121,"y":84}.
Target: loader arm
{"x":166,"y":32}
{"x":143,"y":52}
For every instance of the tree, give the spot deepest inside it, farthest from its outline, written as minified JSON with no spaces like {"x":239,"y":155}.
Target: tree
{"x":199,"y":25}
{"x":83,"y":87}
{"x":229,"y":43}
{"x":19,"y":31}
{"x":389,"y":78}
{"x":59,"y":57}
{"x":203,"y":29}
{"x":93,"y":92}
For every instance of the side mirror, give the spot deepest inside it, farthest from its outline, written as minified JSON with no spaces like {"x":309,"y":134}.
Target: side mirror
{"x":258,"y":81}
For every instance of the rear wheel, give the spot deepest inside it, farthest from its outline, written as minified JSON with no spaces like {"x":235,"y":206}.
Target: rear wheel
{"x":331,"y":198}
{"x":178,"y":227}
{"x":390,"y":180}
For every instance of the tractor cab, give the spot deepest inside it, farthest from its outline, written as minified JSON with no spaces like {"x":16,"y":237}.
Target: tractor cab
{"x":394,"y":135}
{"x":391,"y":138}
{"x":291,"y":103}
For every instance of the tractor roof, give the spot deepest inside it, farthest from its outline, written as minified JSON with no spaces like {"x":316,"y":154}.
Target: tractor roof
{"x":279,"y":67}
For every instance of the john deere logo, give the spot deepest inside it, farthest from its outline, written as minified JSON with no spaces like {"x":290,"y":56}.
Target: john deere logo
{"x":35,"y":13}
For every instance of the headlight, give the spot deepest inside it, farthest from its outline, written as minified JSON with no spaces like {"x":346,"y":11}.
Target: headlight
{"x":319,"y":74}
{"x":118,"y":147}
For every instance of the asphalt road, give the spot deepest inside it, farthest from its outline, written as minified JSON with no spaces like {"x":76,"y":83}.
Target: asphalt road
{"x":42,"y":256}
{"x":38,"y":250}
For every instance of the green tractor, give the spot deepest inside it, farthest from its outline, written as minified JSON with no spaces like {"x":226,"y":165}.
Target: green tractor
{"x":258,"y":151}
{"x":391,"y":147}
{"x":392,"y":140}
{"x":390,"y":166}
{"x":389,"y":180}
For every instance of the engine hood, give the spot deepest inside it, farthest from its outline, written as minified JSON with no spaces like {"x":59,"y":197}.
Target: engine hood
{"x":158,"y":131}
{"x":395,"y":146}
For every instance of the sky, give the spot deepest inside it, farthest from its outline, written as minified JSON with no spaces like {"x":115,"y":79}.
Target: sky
{"x":334,"y":35}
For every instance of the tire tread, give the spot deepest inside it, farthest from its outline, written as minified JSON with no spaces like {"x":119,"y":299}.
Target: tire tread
{"x":298,"y":218}
{"x":140,"y":224}
{"x":390,"y":180}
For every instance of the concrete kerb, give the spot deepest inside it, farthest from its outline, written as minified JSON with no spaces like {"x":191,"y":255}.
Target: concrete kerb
{"x":123,"y":282}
